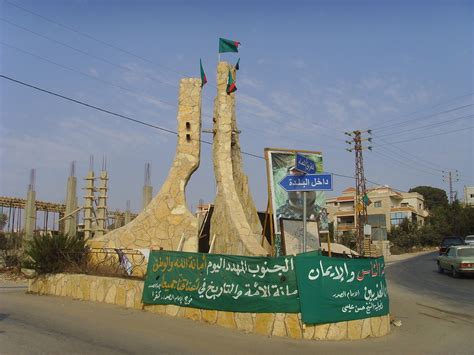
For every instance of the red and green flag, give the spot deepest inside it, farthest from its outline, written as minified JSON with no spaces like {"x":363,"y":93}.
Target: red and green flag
{"x":237,"y":67}
{"x":231,"y":84}
{"x":203,"y":75}
{"x":228,"y":45}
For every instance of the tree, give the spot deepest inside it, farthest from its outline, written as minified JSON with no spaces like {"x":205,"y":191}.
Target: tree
{"x":3,"y":220}
{"x":433,"y":196}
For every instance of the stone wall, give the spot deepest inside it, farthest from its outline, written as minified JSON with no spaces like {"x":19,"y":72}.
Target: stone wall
{"x":166,"y":218}
{"x":234,"y":221}
{"x":128,"y":293}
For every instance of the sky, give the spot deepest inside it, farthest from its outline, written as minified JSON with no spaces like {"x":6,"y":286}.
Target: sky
{"x":309,"y":71}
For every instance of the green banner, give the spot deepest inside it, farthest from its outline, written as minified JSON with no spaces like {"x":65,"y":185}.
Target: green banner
{"x":340,"y":289}
{"x":222,"y":282}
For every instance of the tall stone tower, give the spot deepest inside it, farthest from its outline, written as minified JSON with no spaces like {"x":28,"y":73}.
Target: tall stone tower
{"x":234,"y":221}
{"x":166,"y":218}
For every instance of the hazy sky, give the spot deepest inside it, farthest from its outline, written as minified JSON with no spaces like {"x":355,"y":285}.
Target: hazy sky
{"x":310,"y":70}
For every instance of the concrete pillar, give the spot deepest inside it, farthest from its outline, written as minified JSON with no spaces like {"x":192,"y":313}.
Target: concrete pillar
{"x":70,"y":222}
{"x":128,"y":214}
{"x":88,"y":204}
{"x":102,"y":205}
{"x":147,"y":195}
{"x":30,"y":214}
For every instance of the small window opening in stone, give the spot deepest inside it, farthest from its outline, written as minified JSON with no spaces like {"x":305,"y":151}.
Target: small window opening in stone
{"x":188,"y":138}
{"x":188,"y":126}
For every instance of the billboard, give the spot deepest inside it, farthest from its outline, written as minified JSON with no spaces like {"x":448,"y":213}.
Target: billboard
{"x":289,"y":205}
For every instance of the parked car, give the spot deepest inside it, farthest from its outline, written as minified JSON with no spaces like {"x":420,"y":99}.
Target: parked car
{"x":457,"y":260}
{"x":449,"y":241}
{"x":469,"y":239}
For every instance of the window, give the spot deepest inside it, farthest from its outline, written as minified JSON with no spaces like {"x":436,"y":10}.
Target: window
{"x":378,"y":204}
{"x":188,"y":137}
{"x":397,"y":217}
{"x":404,"y":204}
{"x":188,"y":126}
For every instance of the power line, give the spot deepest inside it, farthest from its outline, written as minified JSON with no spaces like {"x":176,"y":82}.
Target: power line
{"x":129,"y":69}
{"x":93,"y":38}
{"x":423,"y":117}
{"x":138,"y":121}
{"x":69,"y":28}
{"x":122,"y":87}
{"x":406,"y":164}
{"x":85,"y":52}
{"x":377,"y":127}
{"x":433,"y":135}
{"x":86,"y":74}
{"x":418,"y":159}
{"x":425,"y":126}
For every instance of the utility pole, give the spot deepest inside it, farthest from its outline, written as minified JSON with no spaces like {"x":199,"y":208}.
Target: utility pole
{"x":449,"y":176}
{"x":360,"y":203}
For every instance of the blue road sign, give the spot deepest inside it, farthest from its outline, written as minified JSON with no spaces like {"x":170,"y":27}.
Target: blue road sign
{"x":305,"y":165}
{"x":308,"y":182}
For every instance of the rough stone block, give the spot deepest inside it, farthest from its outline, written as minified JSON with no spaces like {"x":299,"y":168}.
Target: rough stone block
{"x":293,"y":326}
{"x":130,"y":298}
{"x":120,"y":299}
{"x":111,"y":294}
{"x":209,"y":316}
{"x":264,"y":323}
{"x":279,"y":327}
{"x":308,"y":331}
{"x":172,"y":310}
{"x":226,"y":319}
{"x":244,"y":321}
{"x":354,"y":329}
{"x":192,"y":313}
{"x":375,"y":325}
{"x":337,"y":331}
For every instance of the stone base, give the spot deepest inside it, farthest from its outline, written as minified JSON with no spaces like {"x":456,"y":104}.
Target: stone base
{"x":128,"y":293}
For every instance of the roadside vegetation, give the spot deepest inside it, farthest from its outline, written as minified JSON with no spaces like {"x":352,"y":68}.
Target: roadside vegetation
{"x":444,"y":220}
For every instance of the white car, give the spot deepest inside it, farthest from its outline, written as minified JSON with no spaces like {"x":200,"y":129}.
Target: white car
{"x":469,"y":239}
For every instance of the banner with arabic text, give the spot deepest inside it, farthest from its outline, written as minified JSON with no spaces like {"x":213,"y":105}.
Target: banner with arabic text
{"x":222,"y":282}
{"x":336,"y":289}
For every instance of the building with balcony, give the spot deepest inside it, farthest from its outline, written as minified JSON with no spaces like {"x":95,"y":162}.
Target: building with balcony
{"x":388,"y":208}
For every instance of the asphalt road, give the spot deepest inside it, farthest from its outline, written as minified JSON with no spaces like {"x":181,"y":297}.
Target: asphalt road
{"x":420,"y":275}
{"x":440,"y":322}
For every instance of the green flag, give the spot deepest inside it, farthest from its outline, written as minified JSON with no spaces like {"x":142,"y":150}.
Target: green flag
{"x":366,"y":200}
{"x":231,"y":84}
{"x":228,"y":45}
{"x":203,"y":75}
{"x":237,"y":67}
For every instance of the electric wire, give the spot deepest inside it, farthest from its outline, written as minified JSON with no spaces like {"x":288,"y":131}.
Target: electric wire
{"x":139,"y":121}
{"x":429,"y":136}
{"x":141,"y":74}
{"x":377,"y":127}
{"x":409,"y":121}
{"x":431,"y":125}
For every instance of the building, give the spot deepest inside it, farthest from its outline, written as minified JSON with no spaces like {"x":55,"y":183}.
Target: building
{"x":388,"y":208}
{"x":468,"y":195}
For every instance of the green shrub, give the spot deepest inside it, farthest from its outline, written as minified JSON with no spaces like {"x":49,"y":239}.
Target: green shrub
{"x":54,"y":254}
